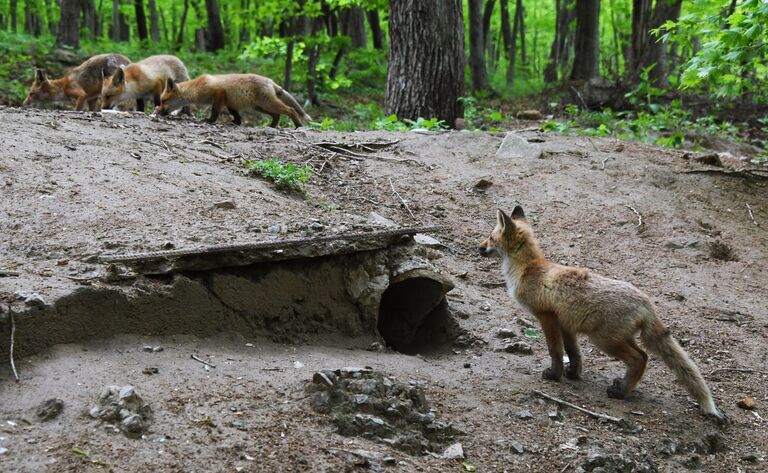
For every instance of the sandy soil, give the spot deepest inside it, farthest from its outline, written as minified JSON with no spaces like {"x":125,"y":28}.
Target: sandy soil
{"x":77,"y":185}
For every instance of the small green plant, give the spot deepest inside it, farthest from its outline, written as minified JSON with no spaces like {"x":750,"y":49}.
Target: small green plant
{"x":391,"y":123}
{"x":284,"y":175}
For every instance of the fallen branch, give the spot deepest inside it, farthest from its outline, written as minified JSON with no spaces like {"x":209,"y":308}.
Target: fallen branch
{"x":749,"y":209}
{"x":736,"y":370}
{"x":602,"y":164}
{"x":594,"y":415}
{"x":639,"y":217}
{"x":212,"y":143}
{"x":6,"y":273}
{"x":13,"y":333}
{"x":401,"y":198}
{"x":196,"y":358}
{"x":581,"y":99}
{"x":742,"y":173}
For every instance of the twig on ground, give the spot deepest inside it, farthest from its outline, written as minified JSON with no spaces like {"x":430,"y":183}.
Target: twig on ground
{"x":6,"y":273}
{"x":13,"y":334}
{"x":595,"y":415}
{"x":530,"y":128}
{"x":401,"y":198}
{"x":565,"y":467}
{"x":602,"y":163}
{"x":639,"y":217}
{"x":743,"y":173}
{"x":196,"y":358}
{"x":212,"y":143}
{"x":581,"y":99}
{"x":736,"y":370}
{"x":594,"y":146}
{"x":751,"y":215}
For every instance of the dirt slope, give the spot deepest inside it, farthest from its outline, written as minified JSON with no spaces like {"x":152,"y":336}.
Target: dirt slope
{"x":77,"y":185}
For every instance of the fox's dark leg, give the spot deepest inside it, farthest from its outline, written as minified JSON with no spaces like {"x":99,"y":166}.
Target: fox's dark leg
{"x":635,"y":359}
{"x":236,"y":116}
{"x":80,"y":103}
{"x":275,"y":119}
{"x":93,"y":104}
{"x":551,"y":328}
{"x":571,"y":343}
{"x":186,"y":110}
{"x":140,"y":105}
{"x":216,"y":106}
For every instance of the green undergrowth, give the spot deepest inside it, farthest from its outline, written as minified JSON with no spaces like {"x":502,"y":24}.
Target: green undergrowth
{"x":285,"y":175}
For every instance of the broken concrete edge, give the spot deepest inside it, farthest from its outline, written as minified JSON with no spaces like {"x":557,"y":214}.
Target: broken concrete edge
{"x":273,"y":299}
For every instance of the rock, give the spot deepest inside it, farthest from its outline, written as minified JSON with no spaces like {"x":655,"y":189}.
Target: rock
{"x":517,"y":448}
{"x":460,"y":124}
{"x":747,"y":403}
{"x":49,"y":409}
{"x":525,"y":415}
{"x":238,"y":424}
{"x":323,"y":378}
{"x":506,"y":332}
{"x":693,"y":462}
{"x":751,"y":457}
{"x":297,"y":364}
{"x":427,"y":241}
{"x":529,"y":115}
{"x":375,"y":346}
{"x":454,"y":452}
{"x":376,"y":219}
{"x":467,"y":365}
{"x":715,"y":442}
{"x":157,"y":349}
{"x":225,"y":204}
{"x":515,"y":146}
{"x":485,"y":308}
{"x":555,"y":415}
{"x":711,"y":159}
{"x":150,"y":370}
{"x":146,"y":349}
{"x":483,"y":184}
{"x":666,"y":447}
{"x":520,"y":348}
{"x":610,"y":462}
{"x":3,"y":450}
{"x":127,"y":392}
{"x":31,"y":299}
{"x":132,"y":426}
{"x":316,"y":226}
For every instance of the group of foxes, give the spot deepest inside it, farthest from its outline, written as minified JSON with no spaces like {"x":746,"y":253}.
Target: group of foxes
{"x":117,"y":81}
{"x":566,"y":301}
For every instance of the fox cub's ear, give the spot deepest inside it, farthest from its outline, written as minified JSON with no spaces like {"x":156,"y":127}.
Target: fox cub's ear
{"x":518,"y":213}
{"x":119,"y":76}
{"x":504,"y":221}
{"x":170,"y":84}
{"x":39,"y":75}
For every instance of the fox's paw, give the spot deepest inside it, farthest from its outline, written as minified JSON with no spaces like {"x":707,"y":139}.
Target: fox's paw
{"x":617,"y":389}
{"x":573,"y":371}
{"x":551,"y":375}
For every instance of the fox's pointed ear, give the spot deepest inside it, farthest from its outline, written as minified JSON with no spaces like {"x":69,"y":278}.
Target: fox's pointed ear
{"x":119,"y":76}
{"x":518,"y":213}
{"x":40,"y":75}
{"x":503,"y":220}
{"x":170,"y":84}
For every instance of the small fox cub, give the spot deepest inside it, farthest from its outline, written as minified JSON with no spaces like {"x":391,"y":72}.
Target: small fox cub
{"x":235,"y":92}
{"x":571,"y":301}
{"x":141,"y":80}
{"x":82,"y":83}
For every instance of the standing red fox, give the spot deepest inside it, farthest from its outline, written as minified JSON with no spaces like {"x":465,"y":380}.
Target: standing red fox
{"x":570,"y":301}
{"x":235,"y":92}
{"x":141,"y":80}
{"x":82,"y":83}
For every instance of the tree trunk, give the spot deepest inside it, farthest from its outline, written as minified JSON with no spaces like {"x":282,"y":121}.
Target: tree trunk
{"x":654,"y":52}
{"x":587,"y":47}
{"x":141,"y":20}
{"x":182,"y":22}
{"x":353,"y":25}
{"x":487,"y":14}
{"x":115,"y":20}
{"x":477,"y":46}
{"x":506,"y":32}
{"x":32,"y":23}
{"x":69,"y":25}
{"x":90,"y":17}
{"x":154,"y":27}
{"x":313,"y":55}
{"x":523,"y":55}
{"x":424,"y":80}
{"x":215,"y":30}
{"x":14,"y":11}
{"x":513,"y":42}
{"x":376,"y":33}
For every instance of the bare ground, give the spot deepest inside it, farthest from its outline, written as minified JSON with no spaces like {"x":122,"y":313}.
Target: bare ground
{"x":77,"y":185}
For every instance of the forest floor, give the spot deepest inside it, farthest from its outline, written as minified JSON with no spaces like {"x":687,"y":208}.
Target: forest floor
{"x":74,"y":185}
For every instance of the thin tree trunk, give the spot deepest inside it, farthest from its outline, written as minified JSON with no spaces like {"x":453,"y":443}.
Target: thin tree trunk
{"x":90,"y":17}
{"x":154,"y":27}
{"x":587,"y":48}
{"x":184,"y":13}
{"x":513,"y":43}
{"x":376,"y":33}
{"x":313,"y":55}
{"x":69,"y":25}
{"x":115,"y":20}
{"x":476,"y":47}
{"x":13,"y":5}
{"x":655,"y":52}
{"x":424,"y":80}
{"x":487,"y":14}
{"x":141,"y":20}
{"x":166,"y":30}
{"x":32,"y":22}
{"x":353,"y":25}
{"x":523,"y":55}
{"x":506,"y":32}
{"x":215,"y":30}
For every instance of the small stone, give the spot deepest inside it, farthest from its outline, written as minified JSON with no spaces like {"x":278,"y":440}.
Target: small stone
{"x":375,"y":346}
{"x":31,"y":299}
{"x":126,"y":392}
{"x":467,"y":365}
{"x":225,"y":204}
{"x":157,"y":349}
{"x":485,"y":308}
{"x":238,"y":424}
{"x":146,"y":349}
{"x":150,"y":370}
{"x":3,"y":450}
{"x":454,"y":452}
{"x":506,"y":332}
{"x":555,"y":415}
{"x":132,"y":426}
{"x":710,"y":159}
{"x":519,"y":348}
{"x":427,"y":241}
{"x":517,"y":448}
{"x":529,"y":115}
{"x":322,"y":378}
{"x":747,"y":403}
{"x":750,"y":457}
{"x":50,"y":409}
{"x":525,"y":415}
{"x":274,"y":229}
{"x":317,"y":226}
{"x":95,"y":412}
{"x":380,"y":220}
{"x":693,"y":462}
{"x":168,"y":245}
{"x":483,"y":184}
{"x":515,"y":146}
{"x":298,"y":364}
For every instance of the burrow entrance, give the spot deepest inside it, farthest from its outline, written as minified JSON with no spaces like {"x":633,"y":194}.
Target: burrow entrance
{"x":384,"y":292}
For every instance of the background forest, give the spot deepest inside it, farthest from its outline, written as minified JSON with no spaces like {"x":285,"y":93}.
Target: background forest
{"x":662,"y":71}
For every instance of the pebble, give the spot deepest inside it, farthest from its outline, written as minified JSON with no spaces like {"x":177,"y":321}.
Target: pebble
{"x":518,"y":448}
{"x":454,"y":452}
{"x":132,"y":426}
{"x":50,"y":409}
{"x":3,"y":450}
{"x":225,"y":204}
{"x":747,"y":403}
{"x":467,"y":365}
{"x":146,"y":349}
{"x":525,"y":415}
{"x":520,"y":348}
{"x":485,"y":308}
{"x":506,"y":332}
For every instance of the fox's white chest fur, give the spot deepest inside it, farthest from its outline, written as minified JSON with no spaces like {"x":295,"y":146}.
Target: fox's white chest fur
{"x":511,"y":275}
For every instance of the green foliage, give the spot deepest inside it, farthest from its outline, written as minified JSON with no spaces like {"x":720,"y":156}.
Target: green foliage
{"x":284,"y":175}
{"x":733,"y":58}
{"x":20,"y":54}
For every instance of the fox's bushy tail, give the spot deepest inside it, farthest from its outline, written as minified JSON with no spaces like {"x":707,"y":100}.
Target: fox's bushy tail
{"x":656,"y":338}
{"x":283,"y":95}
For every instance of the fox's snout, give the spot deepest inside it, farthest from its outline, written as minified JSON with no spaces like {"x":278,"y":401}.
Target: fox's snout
{"x":485,"y":249}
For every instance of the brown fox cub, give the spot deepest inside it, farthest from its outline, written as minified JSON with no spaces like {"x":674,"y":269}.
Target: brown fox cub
{"x":572,"y":301}
{"x":82,"y":83}
{"x":141,"y":80}
{"x":235,"y":92}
